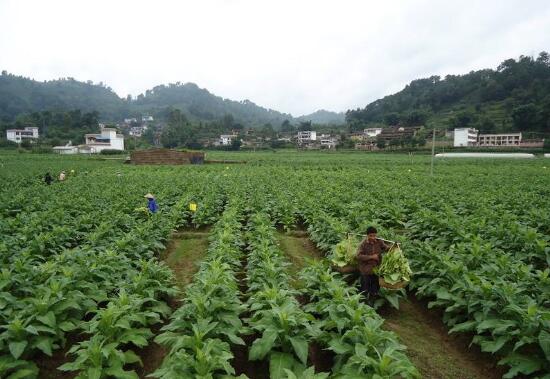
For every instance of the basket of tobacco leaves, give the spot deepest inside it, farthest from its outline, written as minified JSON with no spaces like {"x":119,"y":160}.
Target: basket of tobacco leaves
{"x":394,"y":272}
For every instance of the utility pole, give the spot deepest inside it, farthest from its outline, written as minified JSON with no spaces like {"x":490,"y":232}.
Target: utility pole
{"x":433,"y":153}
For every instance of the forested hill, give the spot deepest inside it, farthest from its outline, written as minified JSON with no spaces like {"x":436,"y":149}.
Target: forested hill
{"x":199,"y":104}
{"x":20,"y":95}
{"x":515,"y":96}
{"x":324,"y":117}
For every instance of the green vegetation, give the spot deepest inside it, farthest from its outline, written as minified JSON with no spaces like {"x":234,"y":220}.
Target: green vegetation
{"x":394,"y":267}
{"x":83,"y":271}
{"x":20,"y":96}
{"x":515,"y":96}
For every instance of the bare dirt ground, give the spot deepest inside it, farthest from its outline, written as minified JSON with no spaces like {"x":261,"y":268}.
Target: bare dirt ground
{"x":435,"y":353}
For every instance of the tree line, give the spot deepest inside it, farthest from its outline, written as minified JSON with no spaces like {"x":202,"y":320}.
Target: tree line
{"x":515,"y":96}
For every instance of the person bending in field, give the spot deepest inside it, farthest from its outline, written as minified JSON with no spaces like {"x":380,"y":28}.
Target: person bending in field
{"x":152,"y":204}
{"x":48,"y":178}
{"x":369,"y":255}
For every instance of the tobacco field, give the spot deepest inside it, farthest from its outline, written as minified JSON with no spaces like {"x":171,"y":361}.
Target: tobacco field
{"x":85,"y":292}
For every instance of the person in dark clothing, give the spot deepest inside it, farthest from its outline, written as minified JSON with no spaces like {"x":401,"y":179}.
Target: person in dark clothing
{"x":152,"y":204}
{"x":48,"y":178}
{"x":369,"y":255}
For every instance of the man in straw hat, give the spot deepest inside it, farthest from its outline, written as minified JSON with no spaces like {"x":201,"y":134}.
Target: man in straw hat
{"x":152,"y":205}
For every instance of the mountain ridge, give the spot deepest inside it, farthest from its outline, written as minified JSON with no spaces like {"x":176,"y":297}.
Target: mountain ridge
{"x":21,"y":95}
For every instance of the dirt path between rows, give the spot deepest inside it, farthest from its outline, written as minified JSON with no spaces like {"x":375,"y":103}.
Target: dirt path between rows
{"x":435,"y":353}
{"x":183,"y":255}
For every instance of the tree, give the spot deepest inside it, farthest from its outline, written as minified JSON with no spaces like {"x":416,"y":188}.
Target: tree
{"x":304,"y":125}
{"x":286,"y":126}
{"x":267,"y":131}
{"x":235,"y":144}
{"x":380,"y":142}
{"x":525,"y":117}
{"x":462,"y":119}
{"x":228,"y":121}
{"x":391,"y":118}
{"x":415,"y":118}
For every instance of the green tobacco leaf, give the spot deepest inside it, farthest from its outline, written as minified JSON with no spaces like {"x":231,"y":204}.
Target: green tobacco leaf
{"x":17,"y":348}
{"x":24,"y":373}
{"x":94,"y":373}
{"x":262,"y":345}
{"x":278,"y":363}
{"x":300,"y":346}
{"x":338,"y":346}
{"x":48,"y":319}
{"x":131,"y":357}
{"x":494,"y":346}
{"x":463,"y":327}
{"x":520,"y":364}
{"x":544,"y":342}
{"x":119,"y":373}
{"x":45,"y":345}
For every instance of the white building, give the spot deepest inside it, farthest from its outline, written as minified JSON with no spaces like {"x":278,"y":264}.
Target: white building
{"x":305,"y":137}
{"x":130,"y":120}
{"x":108,"y":139}
{"x":329,"y":142}
{"x":18,"y":135}
{"x":65,"y":150}
{"x":488,"y":140}
{"x":137,"y":131}
{"x":147,"y":119}
{"x":465,"y":137}
{"x":227,"y":139}
{"x":372,"y":132}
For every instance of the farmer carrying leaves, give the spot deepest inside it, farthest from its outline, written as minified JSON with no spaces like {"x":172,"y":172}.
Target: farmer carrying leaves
{"x":369,"y":255}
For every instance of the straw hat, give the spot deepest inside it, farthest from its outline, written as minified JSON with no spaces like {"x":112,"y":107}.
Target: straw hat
{"x":149,"y":196}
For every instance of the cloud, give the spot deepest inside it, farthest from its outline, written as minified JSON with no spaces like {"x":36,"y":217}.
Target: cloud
{"x":293,"y":56}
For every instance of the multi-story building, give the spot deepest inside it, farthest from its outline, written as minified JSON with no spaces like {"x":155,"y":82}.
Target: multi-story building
{"x":328,"y":142}
{"x":465,"y":137}
{"x":488,"y":140}
{"x":18,"y":135}
{"x":226,"y":139}
{"x":108,"y":139}
{"x":372,"y":132}
{"x":398,"y":132}
{"x":137,"y":131}
{"x":306,"y":137}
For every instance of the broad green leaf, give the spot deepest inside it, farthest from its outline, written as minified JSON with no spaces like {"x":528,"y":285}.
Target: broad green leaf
{"x":262,"y":345}
{"x":17,"y":348}
{"x":494,"y":346}
{"x":278,"y":363}
{"x":463,"y":327}
{"x":94,"y":373}
{"x":48,"y":319}
{"x":301,"y":348}
{"x":544,"y":342}
{"x":45,"y":345}
{"x":520,"y":364}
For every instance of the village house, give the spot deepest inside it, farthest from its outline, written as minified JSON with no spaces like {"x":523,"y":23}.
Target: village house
{"x":18,"y":135}
{"x":226,"y":139}
{"x":306,"y":137}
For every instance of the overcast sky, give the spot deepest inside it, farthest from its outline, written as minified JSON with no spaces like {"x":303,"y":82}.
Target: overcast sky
{"x":294,"y":56}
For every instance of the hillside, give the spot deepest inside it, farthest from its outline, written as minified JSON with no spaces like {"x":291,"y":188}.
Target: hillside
{"x":515,"y":96}
{"x":324,"y":117}
{"x":20,"y":95}
{"x":199,"y":104}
